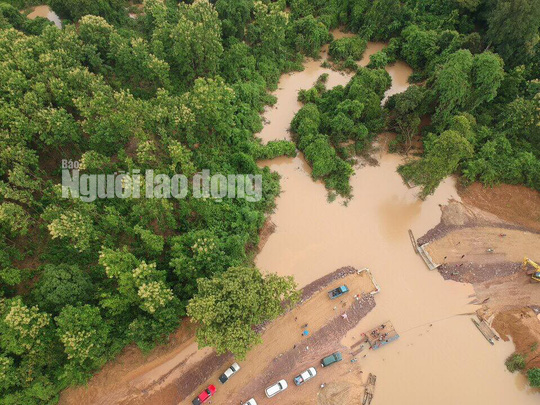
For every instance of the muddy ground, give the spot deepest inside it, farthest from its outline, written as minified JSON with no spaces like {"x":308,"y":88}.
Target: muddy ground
{"x":523,"y":326}
{"x":515,"y":204}
{"x":285,"y":353}
{"x":483,"y":240}
{"x":176,"y":376}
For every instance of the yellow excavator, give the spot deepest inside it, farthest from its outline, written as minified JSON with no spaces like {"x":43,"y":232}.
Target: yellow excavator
{"x":535,"y":273}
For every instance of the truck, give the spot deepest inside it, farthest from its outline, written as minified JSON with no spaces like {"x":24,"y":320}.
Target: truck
{"x":232,"y":370}
{"x":333,"y":358}
{"x":205,"y":395}
{"x":305,"y":376}
{"x":338,"y":292}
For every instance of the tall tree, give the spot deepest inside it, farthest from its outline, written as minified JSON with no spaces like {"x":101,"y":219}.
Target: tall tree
{"x":85,"y":337}
{"x":513,"y":28}
{"x":230,"y":305}
{"x":197,"y":47}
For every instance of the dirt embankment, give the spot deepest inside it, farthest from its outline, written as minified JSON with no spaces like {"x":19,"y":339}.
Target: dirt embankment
{"x":475,"y":246}
{"x":515,"y":204}
{"x":483,"y":241}
{"x":118,"y":378}
{"x":523,"y":326}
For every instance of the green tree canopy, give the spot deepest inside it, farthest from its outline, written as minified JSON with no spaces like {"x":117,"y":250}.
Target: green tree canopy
{"x":229,"y":306}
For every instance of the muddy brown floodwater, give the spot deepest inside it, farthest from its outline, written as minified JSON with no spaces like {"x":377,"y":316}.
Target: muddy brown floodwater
{"x":45,"y":12}
{"x":440,"y":358}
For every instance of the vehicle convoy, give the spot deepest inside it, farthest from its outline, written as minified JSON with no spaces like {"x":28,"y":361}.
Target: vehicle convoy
{"x":535,"y":274}
{"x":305,"y":376}
{"x":333,"y":358}
{"x":338,"y":292}
{"x":205,"y":395}
{"x":232,"y":370}
{"x":275,"y":389}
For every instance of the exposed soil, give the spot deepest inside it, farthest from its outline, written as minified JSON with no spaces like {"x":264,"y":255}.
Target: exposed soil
{"x":516,"y":204}
{"x":522,"y":325}
{"x":483,"y":242}
{"x":178,"y":371}
{"x":474,"y":246}
{"x":309,"y":353}
{"x":268,"y":229}
{"x":285,"y":353}
{"x":477,"y":247}
{"x":113,"y":381}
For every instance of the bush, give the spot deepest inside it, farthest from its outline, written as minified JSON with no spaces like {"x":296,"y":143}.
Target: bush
{"x":378,"y":60}
{"x":345,"y":48}
{"x":515,"y":362}
{"x":273,"y":149}
{"x":534,"y":377}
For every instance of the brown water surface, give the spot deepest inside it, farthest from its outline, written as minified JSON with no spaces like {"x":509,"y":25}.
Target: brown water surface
{"x":441,"y":357}
{"x":45,"y":12}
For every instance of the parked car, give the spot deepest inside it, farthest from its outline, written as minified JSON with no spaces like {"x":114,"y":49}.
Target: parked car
{"x":306,"y":375}
{"x":251,"y":402}
{"x":205,"y":395}
{"x":232,"y":370}
{"x":276,"y":388}
{"x":338,"y":292}
{"x":333,"y":358}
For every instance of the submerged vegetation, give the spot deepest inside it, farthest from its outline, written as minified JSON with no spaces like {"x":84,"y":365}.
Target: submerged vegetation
{"x":332,"y":119}
{"x":179,"y":89}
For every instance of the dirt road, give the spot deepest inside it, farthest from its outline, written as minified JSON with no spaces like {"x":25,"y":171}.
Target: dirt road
{"x":485,"y":245}
{"x":285,"y":353}
{"x":177,"y":376}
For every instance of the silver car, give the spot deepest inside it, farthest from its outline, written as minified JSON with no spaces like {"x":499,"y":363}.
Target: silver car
{"x":276,"y":388}
{"x":232,"y":370}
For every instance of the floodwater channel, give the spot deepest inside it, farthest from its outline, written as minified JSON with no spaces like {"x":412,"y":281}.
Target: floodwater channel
{"x":45,"y":12}
{"x":441,"y":357}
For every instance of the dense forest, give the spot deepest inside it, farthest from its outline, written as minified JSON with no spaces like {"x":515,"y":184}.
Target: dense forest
{"x":179,"y":89}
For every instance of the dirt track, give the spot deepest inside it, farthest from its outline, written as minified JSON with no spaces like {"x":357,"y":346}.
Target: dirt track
{"x":285,"y":353}
{"x":176,"y":376}
{"x":485,"y":245}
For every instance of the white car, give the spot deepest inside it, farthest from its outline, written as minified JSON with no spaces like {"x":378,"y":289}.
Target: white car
{"x":251,"y":402}
{"x":232,"y":370}
{"x":305,"y":376}
{"x":276,"y":388}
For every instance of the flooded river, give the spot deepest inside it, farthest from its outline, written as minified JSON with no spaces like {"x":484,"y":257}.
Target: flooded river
{"x":441,"y":357}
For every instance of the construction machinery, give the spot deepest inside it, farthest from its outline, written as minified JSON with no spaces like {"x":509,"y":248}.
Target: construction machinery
{"x":535,"y":273}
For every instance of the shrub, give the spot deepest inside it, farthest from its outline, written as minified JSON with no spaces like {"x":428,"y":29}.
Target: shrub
{"x":534,"y":377}
{"x":515,"y":362}
{"x":345,"y":48}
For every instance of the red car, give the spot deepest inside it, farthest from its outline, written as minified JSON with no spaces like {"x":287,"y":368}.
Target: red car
{"x":205,"y":395}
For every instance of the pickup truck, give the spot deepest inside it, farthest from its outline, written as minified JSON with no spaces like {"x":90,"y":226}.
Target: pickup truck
{"x":233,"y":369}
{"x":205,"y":395}
{"x":305,"y":376}
{"x":333,"y":358}
{"x":338,"y":292}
